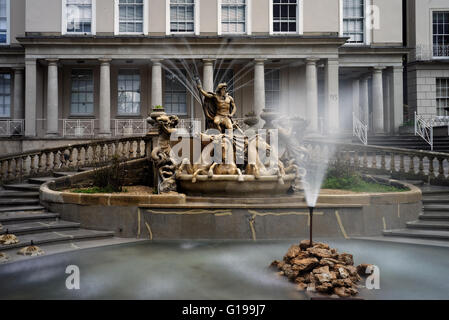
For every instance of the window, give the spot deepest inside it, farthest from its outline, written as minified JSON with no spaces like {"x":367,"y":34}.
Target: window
{"x":131,"y":16}
{"x":82,"y":95}
{"x":272,"y":88}
{"x":440,"y":33}
{"x":442,"y":96}
{"x":5,"y":95}
{"x":182,"y":15}
{"x":129,"y":92}
{"x":285,"y":16}
{"x":4,"y":21}
{"x":233,"y":16}
{"x":78,"y":16}
{"x":354,"y":21}
{"x":227,"y":76}
{"x":175,"y":94}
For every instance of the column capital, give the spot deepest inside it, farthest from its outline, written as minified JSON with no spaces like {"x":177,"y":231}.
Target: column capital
{"x":156,"y":62}
{"x":19,"y":70}
{"x":398,"y":69}
{"x":52,"y":62}
{"x":260,"y":60}
{"x":312,"y":60}
{"x":378,"y":69}
{"x":208,"y":61}
{"x":333,"y":61}
{"x":105,"y":61}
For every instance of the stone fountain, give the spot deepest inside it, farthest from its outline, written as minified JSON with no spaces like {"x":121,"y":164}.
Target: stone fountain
{"x":228,"y":161}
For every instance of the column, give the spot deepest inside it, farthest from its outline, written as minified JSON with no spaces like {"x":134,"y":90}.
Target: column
{"x":30,"y":97}
{"x":397,"y":97}
{"x":105,"y":98}
{"x":259,"y":86}
{"x":364,"y":100}
{"x":312,"y":93}
{"x":208,"y":75}
{"x":52,"y":98}
{"x":378,"y":101}
{"x":356,"y":98}
{"x":331,"y":94}
{"x":387,"y":104}
{"x":19,"y":94}
{"x":156,"y":83}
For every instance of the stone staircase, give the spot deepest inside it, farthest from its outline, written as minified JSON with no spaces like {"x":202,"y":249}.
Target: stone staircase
{"x":433,"y":223}
{"x":441,"y":144}
{"x":22,"y":215}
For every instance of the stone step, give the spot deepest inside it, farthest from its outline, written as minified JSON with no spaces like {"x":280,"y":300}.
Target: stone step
{"x":417,"y":233}
{"x":57,"y":236}
{"x":18,"y":201}
{"x":7,"y":218}
{"x":64,"y":174}
{"x":436,"y":207}
{"x":40,"y":180}
{"x":436,"y":200}
{"x":86,"y":169}
{"x":22,"y":187}
{"x":434,"y":215}
{"x":21,"y":208}
{"x":433,"y":225}
{"x":38,"y":226}
{"x":18,"y":194}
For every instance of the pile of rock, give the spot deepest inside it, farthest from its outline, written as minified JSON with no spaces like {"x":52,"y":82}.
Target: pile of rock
{"x":321,"y":268}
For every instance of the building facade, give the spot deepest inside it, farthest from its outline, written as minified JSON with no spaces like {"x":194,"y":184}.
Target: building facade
{"x":428,"y":63}
{"x":86,"y":69}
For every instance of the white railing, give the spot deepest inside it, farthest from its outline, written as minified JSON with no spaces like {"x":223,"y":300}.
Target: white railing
{"x":78,"y":127}
{"x":359,"y":129}
{"x":130,"y":127}
{"x":424,"y":53}
{"x":11,"y":128}
{"x":424,"y":129}
{"x":189,"y":126}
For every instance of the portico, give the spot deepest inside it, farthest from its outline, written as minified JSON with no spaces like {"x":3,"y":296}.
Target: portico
{"x":304,"y":77}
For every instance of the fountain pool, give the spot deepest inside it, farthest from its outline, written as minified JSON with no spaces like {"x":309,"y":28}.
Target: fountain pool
{"x":215,"y":270}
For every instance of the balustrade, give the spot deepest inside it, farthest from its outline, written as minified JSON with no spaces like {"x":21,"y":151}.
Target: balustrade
{"x":43,"y":162}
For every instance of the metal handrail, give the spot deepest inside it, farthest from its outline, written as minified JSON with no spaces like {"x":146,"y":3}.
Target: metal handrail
{"x":424,"y":129}
{"x":359,"y":129}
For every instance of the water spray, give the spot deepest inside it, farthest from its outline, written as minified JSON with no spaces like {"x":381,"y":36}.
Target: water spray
{"x":311,"y":226}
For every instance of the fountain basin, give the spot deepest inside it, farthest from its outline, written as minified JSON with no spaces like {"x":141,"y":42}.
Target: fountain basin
{"x":230,"y":186}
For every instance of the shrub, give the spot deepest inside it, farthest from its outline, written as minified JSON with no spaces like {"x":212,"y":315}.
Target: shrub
{"x":112,"y":177}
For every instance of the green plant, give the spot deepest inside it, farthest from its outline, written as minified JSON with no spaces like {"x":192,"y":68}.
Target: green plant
{"x":342,"y":175}
{"x":112,"y":177}
{"x":158,"y":107}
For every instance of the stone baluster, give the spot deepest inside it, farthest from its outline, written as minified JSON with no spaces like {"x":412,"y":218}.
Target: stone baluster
{"x":78,"y":157}
{"x":56,"y":156}
{"x":431,"y":168}
{"x":86,"y":156}
{"x":383,"y":163}
{"x":41,"y":163}
{"x":116,"y":150}
{"x":139,"y":149}
{"x":402,"y":165}
{"x":440,"y":169}
{"x":110,"y":153}
{"x":102,"y":153}
{"x":10,"y":170}
{"x":411,"y":169}
{"x":421,"y":166}
{"x":356,"y":159}
{"x":32,"y":164}
{"x":131,"y":150}
{"x":1,"y":171}
{"x":374,"y":162}
{"x":71,"y":158}
{"x":365,"y":159}
{"x":19,"y":166}
{"x":393,"y":163}
{"x":48,"y":161}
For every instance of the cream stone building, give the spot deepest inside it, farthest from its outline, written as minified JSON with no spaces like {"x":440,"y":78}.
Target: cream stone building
{"x":428,"y":63}
{"x":86,"y":69}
